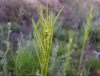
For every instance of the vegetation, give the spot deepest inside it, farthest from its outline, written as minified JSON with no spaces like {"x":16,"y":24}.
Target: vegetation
{"x":50,"y":49}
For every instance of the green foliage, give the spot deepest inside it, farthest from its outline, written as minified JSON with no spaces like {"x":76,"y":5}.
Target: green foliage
{"x":94,"y":33}
{"x":94,"y":36}
{"x":54,"y":61}
{"x":10,"y":65}
{"x":62,"y":35}
{"x":3,"y":35}
{"x":77,"y":38}
{"x":25,"y":61}
{"x":92,"y":64}
{"x":15,"y":26}
{"x":62,"y":48}
{"x":86,"y":72}
{"x":3,"y":54}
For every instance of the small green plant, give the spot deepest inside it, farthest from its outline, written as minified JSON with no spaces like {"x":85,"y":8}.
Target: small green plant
{"x":86,"y":32}
{"x":43,"y":37}
{"x":3,"y":53}
{"x":4,"y":29}
{"x":93,"y":64}
{"x":77,"y":38}
{"x":25,"y":61}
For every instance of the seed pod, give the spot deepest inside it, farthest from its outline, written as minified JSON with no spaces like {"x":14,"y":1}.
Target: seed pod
{"x":46,"y":33}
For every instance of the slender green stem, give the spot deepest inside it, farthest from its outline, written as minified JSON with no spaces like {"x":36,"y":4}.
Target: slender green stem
{"x":9,"y":26}
{"x":37,"y":52}
{"x":86,"y":32}
{"x":7,"y":43}
{"x":81,"y":58}
{"x":68,"y":53}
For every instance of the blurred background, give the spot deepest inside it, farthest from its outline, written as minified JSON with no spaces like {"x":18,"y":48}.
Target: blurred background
{"x":21,"y":12}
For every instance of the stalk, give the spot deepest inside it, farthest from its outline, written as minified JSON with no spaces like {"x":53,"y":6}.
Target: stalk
{"x":43,"y":34}
{"x":86,"y":33}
